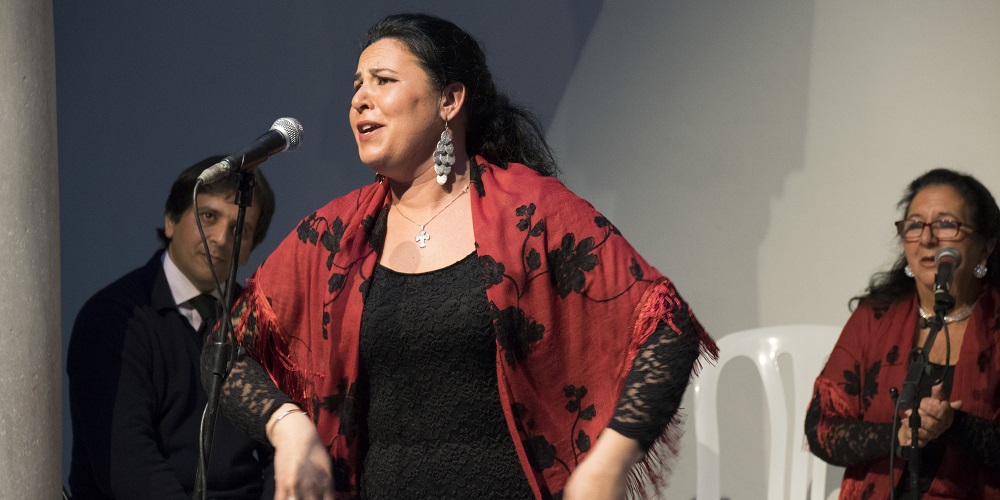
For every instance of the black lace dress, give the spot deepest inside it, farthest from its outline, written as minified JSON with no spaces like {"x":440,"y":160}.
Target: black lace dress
{"x":429,"y":410}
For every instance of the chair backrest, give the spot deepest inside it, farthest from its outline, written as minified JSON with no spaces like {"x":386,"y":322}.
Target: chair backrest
{"x":808,"y":346}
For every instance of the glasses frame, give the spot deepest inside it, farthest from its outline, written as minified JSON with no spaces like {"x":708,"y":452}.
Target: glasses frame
{"x":958,"y":228}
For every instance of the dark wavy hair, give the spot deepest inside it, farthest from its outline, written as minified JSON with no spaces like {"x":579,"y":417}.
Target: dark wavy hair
{"x":498,"y":129}
{"x":890,"y":286}
{"x":180,"y":200}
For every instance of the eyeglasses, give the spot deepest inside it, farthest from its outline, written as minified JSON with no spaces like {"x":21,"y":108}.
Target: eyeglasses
{"x":911,"y":230}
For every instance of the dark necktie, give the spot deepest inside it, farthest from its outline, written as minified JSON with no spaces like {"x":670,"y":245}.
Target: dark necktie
{"x":207,"y":306}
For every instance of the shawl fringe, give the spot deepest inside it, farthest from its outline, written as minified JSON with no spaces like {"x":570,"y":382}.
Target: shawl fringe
{"x":268,"y":345}
{"x":662,"y":302}
{"x":651,"y":475}
{"x":831,"y":401}
{"x":852,"y":488}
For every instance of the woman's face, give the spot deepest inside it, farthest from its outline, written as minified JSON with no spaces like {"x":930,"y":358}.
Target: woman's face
{"x":395,"y":113}
{"x":943,"y":202}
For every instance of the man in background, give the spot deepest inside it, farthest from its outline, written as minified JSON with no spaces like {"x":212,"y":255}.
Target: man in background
{"x":136,"y":395}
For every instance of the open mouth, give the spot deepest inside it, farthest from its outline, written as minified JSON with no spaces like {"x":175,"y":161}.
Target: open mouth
{"x":928,"y":261}
{"x":366,"y":129}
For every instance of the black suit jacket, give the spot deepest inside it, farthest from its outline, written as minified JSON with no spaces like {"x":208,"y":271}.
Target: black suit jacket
{"x":136,"y":401}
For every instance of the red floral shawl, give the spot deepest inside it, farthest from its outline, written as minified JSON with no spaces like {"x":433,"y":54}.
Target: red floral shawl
{"x":870,"y":357}
{"x":571,"y":302}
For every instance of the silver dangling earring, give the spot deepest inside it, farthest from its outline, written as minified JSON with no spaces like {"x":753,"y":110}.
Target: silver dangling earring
{"x":444,"y":156}
{"x":908,"y":272}
{"x":979,"y":271}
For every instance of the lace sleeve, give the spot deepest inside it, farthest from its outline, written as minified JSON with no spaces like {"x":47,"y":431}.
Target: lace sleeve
{"x":655,"y":384}
{"x":980,"y":437}
{"x":850,"y":441}
{"x":249,"y":396}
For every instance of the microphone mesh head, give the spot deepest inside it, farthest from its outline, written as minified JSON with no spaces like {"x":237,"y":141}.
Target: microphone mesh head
{"x":948,"y":252}
{"x":291,"y":129}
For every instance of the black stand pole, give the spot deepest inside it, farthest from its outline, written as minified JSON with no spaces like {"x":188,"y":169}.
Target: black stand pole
{"x":220,"y":349}
{"x":910,"y":397}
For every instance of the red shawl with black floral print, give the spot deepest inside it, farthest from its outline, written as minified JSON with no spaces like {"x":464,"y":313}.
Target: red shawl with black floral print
{"x":871,"y":357}
{"x":571,"y":301}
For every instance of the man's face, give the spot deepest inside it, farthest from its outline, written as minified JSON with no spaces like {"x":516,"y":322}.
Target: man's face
{"x":218,"y":219}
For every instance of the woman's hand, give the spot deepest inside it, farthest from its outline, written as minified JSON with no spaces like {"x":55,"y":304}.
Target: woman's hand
{"x":936,"y":415}
{"x":302,"y":469}
{"x":603,"y":474}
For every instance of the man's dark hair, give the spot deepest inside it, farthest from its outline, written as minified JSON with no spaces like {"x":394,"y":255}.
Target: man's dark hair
{"x":180,"y":196}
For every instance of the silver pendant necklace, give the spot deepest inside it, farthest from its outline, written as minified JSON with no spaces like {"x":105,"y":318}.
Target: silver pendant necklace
{"x":422,"y":237}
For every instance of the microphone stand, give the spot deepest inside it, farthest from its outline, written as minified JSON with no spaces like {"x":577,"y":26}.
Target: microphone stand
{"x":220,"y":349}
{"x":943,"y":304}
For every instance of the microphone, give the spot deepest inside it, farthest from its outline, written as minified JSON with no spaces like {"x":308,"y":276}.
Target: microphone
{"x":285,"y":135}
{"x":947,"y":259}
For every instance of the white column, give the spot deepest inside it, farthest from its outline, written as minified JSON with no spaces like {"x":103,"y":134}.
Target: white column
{"x":30,"y":339}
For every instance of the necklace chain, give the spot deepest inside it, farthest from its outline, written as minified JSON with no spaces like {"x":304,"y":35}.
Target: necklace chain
{"x":965,"y":313}
{"x":422,"y":236}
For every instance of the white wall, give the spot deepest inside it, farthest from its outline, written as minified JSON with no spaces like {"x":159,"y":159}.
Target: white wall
{"x":754,"y":152}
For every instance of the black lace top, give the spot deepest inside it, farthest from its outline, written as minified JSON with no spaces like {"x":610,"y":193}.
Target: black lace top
{"x":429,"y":407}
{"x":428,"y":373}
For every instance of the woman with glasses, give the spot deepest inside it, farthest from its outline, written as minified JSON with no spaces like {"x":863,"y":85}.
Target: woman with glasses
{"x":850,"y":419}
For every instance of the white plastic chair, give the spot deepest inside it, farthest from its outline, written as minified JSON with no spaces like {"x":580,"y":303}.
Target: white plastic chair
{"x":808,"y":347}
